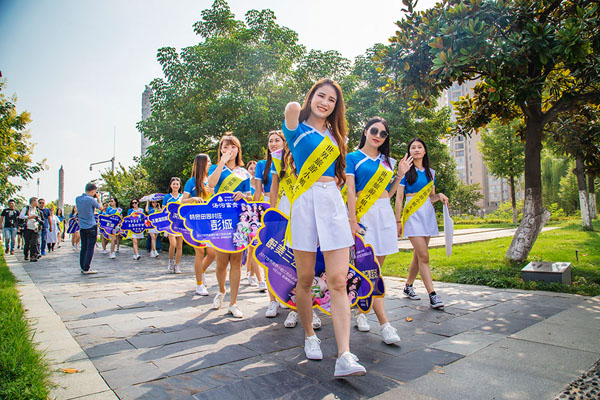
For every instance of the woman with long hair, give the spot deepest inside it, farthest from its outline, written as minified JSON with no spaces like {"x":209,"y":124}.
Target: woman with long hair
{"x":251,"y":168}
{"x":175,"y":241}
{"x":52,"y":238}
{"x":115,"y":239}
{"x":152,"y":207}
{"x":377,"y":221}
{"x":317,"y":132}
{"x":134,"y":207}
{"x":75,"y":238}
{"x":421,"y":224}
{"x":62,"y":227}
{"x":230,"y":162}
{"x":197,"y":191}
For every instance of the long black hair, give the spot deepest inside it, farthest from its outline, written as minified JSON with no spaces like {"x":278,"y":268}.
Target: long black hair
{"x":411,"y":174}
{"x":267,"y":171}
{"x":383,"y":148}
{"x":116,"y":202}
{"x":199,"y":173}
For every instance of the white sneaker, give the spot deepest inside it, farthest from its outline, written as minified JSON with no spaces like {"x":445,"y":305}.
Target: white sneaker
{"x":312,"y":348}
{"x":105,"y":251}
{"x":170,"y":267}
{"x":362,"y":323}
{"x":201,"y":290}
{"x":218,"y":300}
{"x":347,"y":365}
{"x":136,"y":256}
{"x":112,"y":255}
{"x":176,"y":269}
{"x":389,"y":334}
{"x":152,"y":254}
{"x":262,"y":286}
{"x":89,"y":272}
{"x":291,"y":320}
{"x":248,"y":282}
{"x":236,"y":311}
{"x":316,"y":321}
{"x":272,"y":309}
{"x":252,"y":281}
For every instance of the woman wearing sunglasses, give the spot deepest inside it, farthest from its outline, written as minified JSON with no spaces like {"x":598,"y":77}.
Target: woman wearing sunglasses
{"x":374,"y":213}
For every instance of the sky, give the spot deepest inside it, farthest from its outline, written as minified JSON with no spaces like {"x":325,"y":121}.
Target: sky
{"x":79,"y":67}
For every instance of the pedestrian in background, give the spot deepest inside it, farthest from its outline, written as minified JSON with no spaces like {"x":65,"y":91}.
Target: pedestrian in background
{"x":86,"y":204}
{"x":8,"y":220}
{"x":46,"y":226}
{"x":32,"y":215}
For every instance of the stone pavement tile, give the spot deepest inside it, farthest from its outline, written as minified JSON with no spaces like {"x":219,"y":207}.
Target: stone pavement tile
{"x":467,"y":342}
{"x":105,"y":347}
{"x":419,"y":339}
{"x":469,"y":305}
{"x":401,"y":392}
{"x":123,"y":359}
{"x":99,"y":330}
{"x":143,"y":372}
{"x":85,"y":382}
{"x":562,"y":335}
{"x":412,"y":365}
{"x":453,"y":326}
{"x":155,"y":390}
{"x":108,"y":395}
{"x":585,"y":315}
{"x":268,"y":386}
{"x":65,"y":355}
{"x":507,"y":325}
{"x":159,"y":339}
{"x":538,"y":312}
{"x":195,"y":361}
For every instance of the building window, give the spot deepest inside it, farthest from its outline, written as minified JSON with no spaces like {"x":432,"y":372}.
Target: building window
{"x":459,"y":146}
{"x":459,"y":153}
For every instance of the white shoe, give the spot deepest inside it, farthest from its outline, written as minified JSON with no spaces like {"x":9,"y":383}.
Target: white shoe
{"x":312,"y":348}
{"x":291,"y":320}
{"x":236,"y":311}
{"x":170,"y":267}
{"x":347,"y":365}
{"x":201,"y":290}
{"x":248,"y":278}
{"x":316,"y":321}
{"x":89,"y":272}
{"x":252,"y":281}
{"x":272,"y":309}
{"x":262,"y":286}
{"x":152,"y":254}
{"x":362,"y":323}
{"x":176,"y":269}
{"x":105,"y":251}
{"x":136,"y":256}
{"x":112,"y":255}
{"x":389,"y":334}
{"x":218,"y":300}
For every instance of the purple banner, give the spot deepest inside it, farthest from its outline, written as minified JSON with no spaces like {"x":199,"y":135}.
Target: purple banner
{"x":109,"y":224}
{"x":280,"y":265}
{"x":160,"y":221}
{"x":136,"y":222}
{"x":362,"y":256}
{"x":177,"y":226}
{"x":73,"y":225}
{"x":230,"y":226}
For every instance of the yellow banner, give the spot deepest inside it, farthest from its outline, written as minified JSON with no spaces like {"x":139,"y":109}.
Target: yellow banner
{"x":230,"y":183}
{"x":372,"y":191}
{"x":287,"y":183}
{"x":415,"y":203}
{"x":315,"y":166}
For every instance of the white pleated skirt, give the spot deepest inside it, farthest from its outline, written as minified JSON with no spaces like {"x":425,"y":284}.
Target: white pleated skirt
{"x":319,"y":218}
{"x":381,"y":231}
{"x":284,"y":205}
{"x":422,"y":222}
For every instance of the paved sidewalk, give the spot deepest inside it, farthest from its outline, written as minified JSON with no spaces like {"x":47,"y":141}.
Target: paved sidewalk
{"x":144,"y":334}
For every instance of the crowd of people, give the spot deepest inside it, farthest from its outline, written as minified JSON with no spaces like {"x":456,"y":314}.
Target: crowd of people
{"x":306,"y":169}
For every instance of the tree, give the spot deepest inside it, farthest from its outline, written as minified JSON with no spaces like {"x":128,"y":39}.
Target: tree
{"x":534,"y":61}
{"x":554,"y":167}
{"x":503,"y":154}
{"x":577,"y":134}
{"x":568,"y":193}
{"x":127,"y":184}
{"x":15,"y":147}
{"x":465,"y":199}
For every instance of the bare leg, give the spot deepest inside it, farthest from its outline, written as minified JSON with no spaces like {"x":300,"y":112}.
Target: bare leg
{"x":378,"y":302}
{"x":153,"y":244}
{"x":198,"y":256}
{"x":420,"y":244}
{"x":135,"y":245}
{"x":255,"y":268}
{"x":222,"y":261}
{"x":305,"y":268}
{"x":235,"y":271}
{"x":336,"y":266}
{"x":113,"y":243}
{"x":179,"y":248}
{"x":209,"y":257}
{"x":413,"y":270}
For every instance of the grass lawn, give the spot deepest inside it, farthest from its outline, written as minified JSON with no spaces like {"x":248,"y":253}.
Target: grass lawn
{"x":23,"y":371}
{"x":482,"y":263}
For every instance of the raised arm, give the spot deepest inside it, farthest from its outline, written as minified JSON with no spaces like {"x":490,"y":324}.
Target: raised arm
{"x":292,"y":112}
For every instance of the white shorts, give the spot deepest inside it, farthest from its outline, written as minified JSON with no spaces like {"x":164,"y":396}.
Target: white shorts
{"x":137,"y":235}
{"x":422,"y":222}
{"x":266,"y":198}
{"x":319,"y":218}
{"x":284,"y":205}
{"x":380,"y":222}
{"x":152,"y":231}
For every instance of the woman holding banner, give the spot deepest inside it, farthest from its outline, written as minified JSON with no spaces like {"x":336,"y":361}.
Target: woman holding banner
{"x":417,"y":220}
{"x":175,"y":241}
{"x":316,"y":134}
{"x":115,"y":239}
{"x":197,"y":191}
{"x":134,"y":207}
{"x":75,"y":238}
{"x":370,"y":180}
{"x":230,"y":176}
{"x":152,"y":207}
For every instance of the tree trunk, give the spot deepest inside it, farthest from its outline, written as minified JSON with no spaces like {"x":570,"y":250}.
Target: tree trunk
{"x":592,"y":196}
{"x":535,"y":215}
{"x":586,"y":217}
{"x":513,"y":200}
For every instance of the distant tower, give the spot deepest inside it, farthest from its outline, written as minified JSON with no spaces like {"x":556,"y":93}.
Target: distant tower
{"x":61,"y":187}
{"x":146,"y":109}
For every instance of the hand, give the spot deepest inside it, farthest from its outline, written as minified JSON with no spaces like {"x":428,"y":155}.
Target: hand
{"x":237,"y":196}
{"x":404,"y":165}
{"x":399,"y":228}
{"x":443,"y":198}
{"x":355,"y":228}
{"x":197,"y":199}
{"x":225,"y":157}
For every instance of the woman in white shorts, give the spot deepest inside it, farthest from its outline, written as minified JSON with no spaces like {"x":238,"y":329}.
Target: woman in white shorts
{"x":421,"y":225}
{"x":318,"y":215}
{"x":377,"y":223}
{"x":151,"y":208}
{"x":135,"y":237}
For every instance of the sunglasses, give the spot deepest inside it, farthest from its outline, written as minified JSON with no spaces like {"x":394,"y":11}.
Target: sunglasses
{"x":134,"y":202}
{"x":376,"y":132}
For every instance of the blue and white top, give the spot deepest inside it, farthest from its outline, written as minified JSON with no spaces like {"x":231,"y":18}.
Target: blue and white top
{"x":190,"y":187}
{"x":243,"y":187}
{"x":363,"y":167}
{"x":111,"y":211}
{"x":170,"y":199}
{"x":302,"y":141}
{"x":419,"y":184}
{"x":258,"y":175}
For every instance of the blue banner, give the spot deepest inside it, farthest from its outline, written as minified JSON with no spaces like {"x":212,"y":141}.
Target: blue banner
{"x":153,"y":197}
{"x":177,"y":226}
{"x":278,"y":260}
{"x":73,"y":225}
{"x":362,"y":256}
{"x":136,"y":222}
{"x":228,"y":225}
{"x":109,"y":223}
{"x":160,"y":221}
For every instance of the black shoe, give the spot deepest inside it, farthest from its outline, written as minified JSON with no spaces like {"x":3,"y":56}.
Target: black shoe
{"x":33,"y":260}
{"x":26,"y":258}
{"x":409,"y":292}
{"x":435,"y":301}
